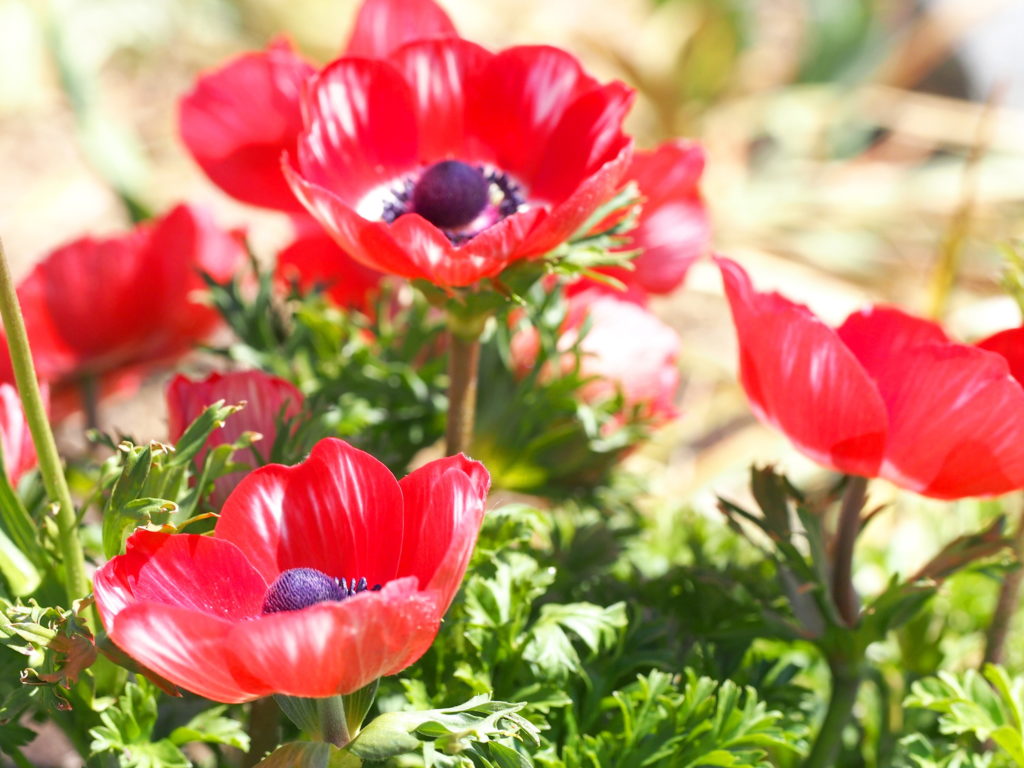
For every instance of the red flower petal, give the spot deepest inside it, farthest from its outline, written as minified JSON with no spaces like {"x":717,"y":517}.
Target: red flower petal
{"x":1010,"y":345}
{"x":673,"y":230}
{"x":198,"y":573}
{"x":360,"y":128}
{"x":238,"y":120}
{"x":445,"y":502}
{"x":957,"y":422}
{"x":63,"y":291}
{"x":88,"y":273}
{"x":441,"y":74}
{"x":588,"y":136}
{"x":339,"y":511}
{"x":315,"y":259}
{"x":570,"y":215}
{"x":878,"y":336}
{"x":800,"y":378}
{"x":333,"y":648}
{"x":523,"y":94}
{"x":368,"y":242}
{"x":384,"y":25}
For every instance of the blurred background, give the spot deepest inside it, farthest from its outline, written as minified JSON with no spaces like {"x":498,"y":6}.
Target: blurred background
{"x":857,"y":150}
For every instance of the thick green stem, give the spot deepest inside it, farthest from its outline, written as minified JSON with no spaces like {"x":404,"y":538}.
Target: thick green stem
{"x":845,"y":684}
{"x":843,"y":593}
{"x":264,"y":725}
{"x":75,"y":582}
{"x":333,"y":724}
{"x":463,"y":366}
{"x":1009,"y":599}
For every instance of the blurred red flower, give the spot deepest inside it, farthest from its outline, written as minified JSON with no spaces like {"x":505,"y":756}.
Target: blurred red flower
{"x":884,"y":395}
{"x":424,"y":155}
{"x":314,"y":259}
{"x":19,"y":452}
{"x":673,"y":230}
{"x":269,"y":401}
{"x":106,"y":308}
{"x":260,"y":608}
{"x":625,"y":350}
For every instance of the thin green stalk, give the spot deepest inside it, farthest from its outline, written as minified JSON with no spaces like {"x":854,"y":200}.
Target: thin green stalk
{"x":463,"y":365}
{"x":843,"y":593}
{"x":333,"y":724}
{"x":1009,"y":599}
{"x":845,"y":684}
{"x":464,"y":332}
{"x":75,"y":582}
{"x":264,"y":726}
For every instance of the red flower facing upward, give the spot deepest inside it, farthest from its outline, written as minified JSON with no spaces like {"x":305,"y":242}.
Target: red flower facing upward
{"x":319,"y":578}
{"x":19,"y":452}
{"x":104,"y":307}
{"x":268,"y":400}
{"x":885,"y":394}
{"x":447,"y":163}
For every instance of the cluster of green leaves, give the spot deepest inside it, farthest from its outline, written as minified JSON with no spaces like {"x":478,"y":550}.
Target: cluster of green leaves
{"x":600,"y":677}
{"x":980,"y":720}
{"x":129,"y":731}
{"x":375,"y":379}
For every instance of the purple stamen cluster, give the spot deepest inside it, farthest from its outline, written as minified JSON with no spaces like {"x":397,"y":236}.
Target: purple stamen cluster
{"x":453,"y":195}
{"x":298,"y":588}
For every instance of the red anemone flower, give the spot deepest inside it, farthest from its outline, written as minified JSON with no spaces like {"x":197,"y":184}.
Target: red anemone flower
{"x":625,"y":350}
{"x":238,"y":119}
{"x":447,"y":163}
{"x":269,"y":402}
{"x":104,"y":308}
{"x":19,"y":452}
{"x":318,"y":579}
{"x":673,"y":230}
{"x":884,"y":395}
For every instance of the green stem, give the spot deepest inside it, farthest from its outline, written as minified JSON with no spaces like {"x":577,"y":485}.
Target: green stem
{"x":89,"y":387}
{"x":463,"y":365}
{"x":843,"y":593}
{"x":1009,"y":599}
{"x":264,"y":724}
{"x":333,"y":724}
{"x":75,"y":582}
{"x":845,"y":683}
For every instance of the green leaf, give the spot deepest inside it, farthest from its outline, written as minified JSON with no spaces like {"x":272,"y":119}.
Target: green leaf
{"x":987,"y":707}
{"x":550,"y":645}
{"x":21,"y":576}
{"x":306,"y":754}
{"x":212,"y":727}
{"x":456,"y":730}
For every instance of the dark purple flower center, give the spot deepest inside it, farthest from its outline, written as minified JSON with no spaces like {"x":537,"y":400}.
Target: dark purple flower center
{"x":450,"y":194}
{"x":299,"y":588}
{"x":460,"y":199}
